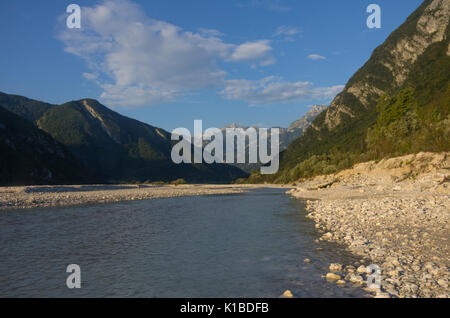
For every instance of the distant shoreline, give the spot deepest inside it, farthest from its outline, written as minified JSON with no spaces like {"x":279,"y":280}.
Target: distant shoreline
{"x":31,"y":197}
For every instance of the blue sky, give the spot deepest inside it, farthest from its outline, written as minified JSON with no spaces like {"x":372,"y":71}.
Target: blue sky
{"x":254,"y":62}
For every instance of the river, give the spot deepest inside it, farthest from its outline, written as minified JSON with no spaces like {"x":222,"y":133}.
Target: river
{"x":241,"y":245}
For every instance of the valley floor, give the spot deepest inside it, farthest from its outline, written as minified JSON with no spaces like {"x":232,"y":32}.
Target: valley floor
{"x":29,"y":197}
{"x":395,"y":214}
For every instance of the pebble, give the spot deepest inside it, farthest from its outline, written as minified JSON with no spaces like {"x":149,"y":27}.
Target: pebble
{"x":332,"y":277}
{"x":405,"y":236}
{"x":357,"y":279}
{"x":382,"y":295}
{"x":443,"y":283}
{"x":335,"y":267}
{"x":287,"y":294}
{"x":361,"y":269}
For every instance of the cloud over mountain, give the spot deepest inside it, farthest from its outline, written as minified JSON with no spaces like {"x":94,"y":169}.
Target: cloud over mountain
{"x":273,"y":89}
{"x":144,"y":60}
{"x":140,"y":61}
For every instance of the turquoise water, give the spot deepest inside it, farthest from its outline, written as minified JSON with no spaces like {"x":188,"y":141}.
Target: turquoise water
{"x":243,"y":245}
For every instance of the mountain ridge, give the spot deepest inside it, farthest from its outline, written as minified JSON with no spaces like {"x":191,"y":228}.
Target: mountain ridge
{"x":414,"y":57}
{"x":31,"y":156}
{"x":118,"y":147}
{"x":287,"y":135}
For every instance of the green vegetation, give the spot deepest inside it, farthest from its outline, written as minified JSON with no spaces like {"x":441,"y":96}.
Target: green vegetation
{"x":117,"y":148}
{"x":179,"y":182}
{"x":30,"y":156}
{"x":403,"y":128}
{"x":396,"y":123}
{"x":407,"y":118}
{"x":26,"y":108}
{"x":158,"y":183}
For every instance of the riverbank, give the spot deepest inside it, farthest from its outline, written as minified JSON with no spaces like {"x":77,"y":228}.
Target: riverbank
{"x":29,"y":197}
{"x":395,"y":214}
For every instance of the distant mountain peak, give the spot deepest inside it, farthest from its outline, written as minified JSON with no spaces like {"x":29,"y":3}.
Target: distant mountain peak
{"x":235,"y":126}
{"x":309,"y":117}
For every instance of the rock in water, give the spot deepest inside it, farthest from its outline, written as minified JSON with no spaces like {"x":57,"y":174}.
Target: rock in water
{"x":335,"y":267}
{"x":287,"y":294}
{"x":333,"y":277}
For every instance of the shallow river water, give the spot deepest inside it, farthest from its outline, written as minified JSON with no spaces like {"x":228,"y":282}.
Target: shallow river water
{"x":240,"y":245}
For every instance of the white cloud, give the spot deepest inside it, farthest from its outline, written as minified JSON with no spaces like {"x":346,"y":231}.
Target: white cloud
{"x":138,"y":61}
{"x":90,"y":76}
{"x":254,"y":51}
{"x":288,"y":33}
{"x":147,"y":61}
{"x":270,"y":90}
{"x":211,"y":32}
{"x":316,"y":57}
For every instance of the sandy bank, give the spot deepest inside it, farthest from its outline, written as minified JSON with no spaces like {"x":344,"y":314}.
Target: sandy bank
{"x":60,"y":196}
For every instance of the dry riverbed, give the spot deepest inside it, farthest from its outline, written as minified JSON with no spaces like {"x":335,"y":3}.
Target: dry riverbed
{"x":61,"y":196}
{"x":394,"y":214}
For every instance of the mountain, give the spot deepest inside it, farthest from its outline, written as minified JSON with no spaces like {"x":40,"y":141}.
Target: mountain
{"x":117,"y":147}
{"x":30,"y":156}
{"x":397,"y":103}
{"x":295,"y":130}
{"x":306,"y":121}
{"x":287,"y":135}
{"x":24,"y":107}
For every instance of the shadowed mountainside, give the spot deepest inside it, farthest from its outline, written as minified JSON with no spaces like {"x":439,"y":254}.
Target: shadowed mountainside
{"x":31,"y":156}
{"x":117,"y":147}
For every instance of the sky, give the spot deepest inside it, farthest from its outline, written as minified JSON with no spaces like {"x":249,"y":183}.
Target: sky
{"x":169,"y":62}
